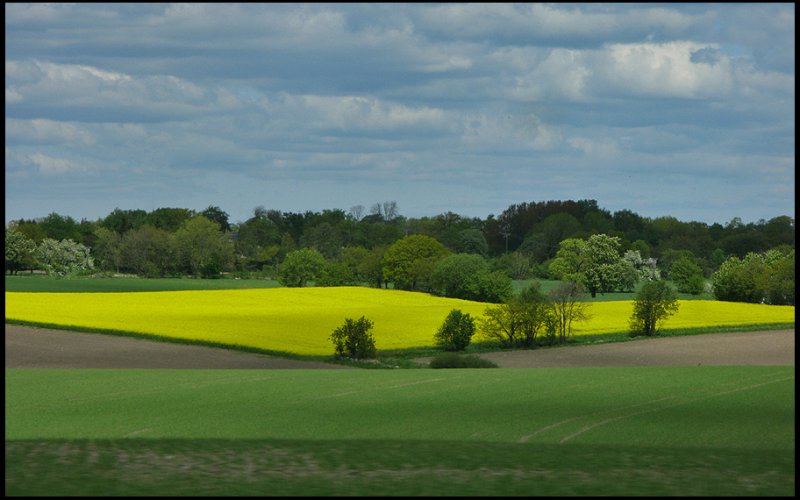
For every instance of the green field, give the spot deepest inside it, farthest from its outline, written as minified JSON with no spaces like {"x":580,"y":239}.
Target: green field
{"x":42,"y":283}
{"x":609,"y":431}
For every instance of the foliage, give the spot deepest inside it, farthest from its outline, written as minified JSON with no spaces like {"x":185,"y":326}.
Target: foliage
{"x":20,"y":251}
{"x":687,"y":275}
{"x":567,"y":308}
{"x":354,"y":340}
{"x":595,"y":263}
{"x":63,"y":258}
{"x":202,"y":247}
{"x":760,"y":277}
{"x":301,"y":266}
{"x":410,"y":261}
{"x":467,"y":276}
{"x":456,"y":331}
{"x":336,"y":274}
{"x":518,"y":321}
{"x":455,"y":360}
{"x":655,"y":302}
{"x":147,"y":251}
{"x":107,"y":249}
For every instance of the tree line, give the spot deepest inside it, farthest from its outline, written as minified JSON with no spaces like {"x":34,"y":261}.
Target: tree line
{"x":448,"y":253}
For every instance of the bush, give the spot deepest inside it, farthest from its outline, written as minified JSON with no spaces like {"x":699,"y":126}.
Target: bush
{"x":354,"y":340}
{"x":654,"y":303}
{"x":456,"y":331}
{"x":453,"y":360}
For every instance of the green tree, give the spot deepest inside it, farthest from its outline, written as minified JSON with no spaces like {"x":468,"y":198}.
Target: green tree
{"x":354,"y":340}
{"x":216,"y":214}
{"x":655,"y":302}
{"x":456,"y":331}
{"x":169,"y":219}
{"x":467,"y":276}
{"x":566,"y":301}
{"x":147,"y":251}
{"x":300,"y":266}
{"x":410,"y":261}
{"x":203,"y":248}
{"x":60,"y":227}
{"x":20,"y":251}
{"x":687,"y":275}
{"x":519,"y":320}
{"x":595,"y":263}
{"x":107,"y":249}
{"x":759,"y":277}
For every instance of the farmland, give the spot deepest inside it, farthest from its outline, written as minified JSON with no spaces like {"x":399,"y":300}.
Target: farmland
{"x":622,"y":431}
{"x":299,"y":320}
{"x":654,"y":430}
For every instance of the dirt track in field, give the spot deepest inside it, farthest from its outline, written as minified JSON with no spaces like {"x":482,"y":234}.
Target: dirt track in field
{"x":28,"y":347}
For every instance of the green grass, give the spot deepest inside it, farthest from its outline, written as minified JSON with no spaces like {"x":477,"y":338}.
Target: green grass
{"x":42,"y":283}
{"x":588,"y":431}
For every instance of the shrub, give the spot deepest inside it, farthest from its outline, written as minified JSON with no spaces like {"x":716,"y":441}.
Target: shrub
{"x":456,"y":331}
{"x":654,"y":303}
{"x":353,"y":339}
{"x":453,"y":360}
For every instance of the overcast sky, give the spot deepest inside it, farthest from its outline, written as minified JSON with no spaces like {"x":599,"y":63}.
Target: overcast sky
{"x":674,"y":109}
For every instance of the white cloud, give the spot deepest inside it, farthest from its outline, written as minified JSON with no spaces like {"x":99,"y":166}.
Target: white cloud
{"x":49,"y":165}
{"x":663,"y":70}
{"x":47,"y":131}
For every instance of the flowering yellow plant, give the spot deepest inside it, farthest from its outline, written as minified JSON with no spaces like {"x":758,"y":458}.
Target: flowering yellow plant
{"x":300,"y":320}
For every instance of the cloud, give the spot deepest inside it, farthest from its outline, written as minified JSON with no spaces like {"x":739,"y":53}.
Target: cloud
{"x":49,"y":165}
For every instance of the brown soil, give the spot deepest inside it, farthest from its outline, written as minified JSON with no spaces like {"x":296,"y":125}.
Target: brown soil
{"x":28,"y":347}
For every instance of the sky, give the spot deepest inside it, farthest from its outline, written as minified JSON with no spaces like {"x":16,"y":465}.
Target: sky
{"x":683,"y":110}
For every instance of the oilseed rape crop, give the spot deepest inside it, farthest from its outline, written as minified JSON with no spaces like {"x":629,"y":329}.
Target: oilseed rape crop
{"x":300,"y":320}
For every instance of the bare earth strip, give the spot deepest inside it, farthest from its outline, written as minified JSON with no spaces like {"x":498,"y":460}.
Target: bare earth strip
{"x":739,"y":348}
{"x":28,"y":347}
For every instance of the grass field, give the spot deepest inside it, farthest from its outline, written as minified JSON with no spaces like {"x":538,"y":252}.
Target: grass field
{"x":609,"y":431}
{"x":42,"y":283}
{"x":300,"y":320}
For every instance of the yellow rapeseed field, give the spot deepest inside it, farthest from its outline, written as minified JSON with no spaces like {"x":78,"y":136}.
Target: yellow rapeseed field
{"x":300,"y":320}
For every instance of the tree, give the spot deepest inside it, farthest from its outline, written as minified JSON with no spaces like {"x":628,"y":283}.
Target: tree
{"x":63,"y":258}
{"x":169,"y":219}
{"x":456,"y":331}
{"x":568,"y":307}
{"x":20,"y":251}
{"x":58,"y":227}
{"x":215,"y":214}
{"x":687,"y":275}
{"x":107,"y":249}
{"x":147,"y":251}
{"x":467,"y":276}
{"x":759,"y":277}
{"x":300,"y":266}
{"x":202,"y":248}
{"x":520,"y":319}
{"x":595,"y":263}
{"x":353,"y":339}
{"x":410,"y":261}
{"x":654,"y":303}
